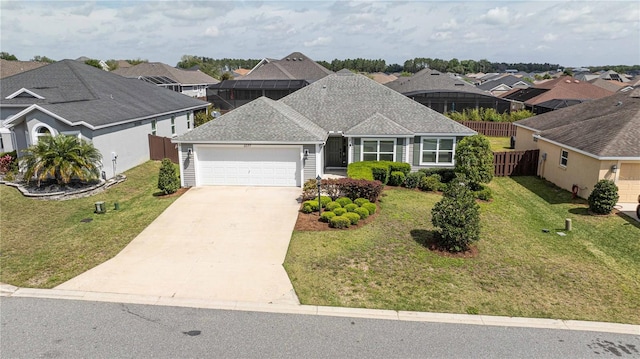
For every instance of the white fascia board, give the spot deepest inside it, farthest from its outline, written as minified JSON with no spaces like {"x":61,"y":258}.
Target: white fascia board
{"x":39,"y":108}
{"x":24,"y":90}
{"x":600,"y":158}
{"x":526,"y":127}
{"x":143,"y":118}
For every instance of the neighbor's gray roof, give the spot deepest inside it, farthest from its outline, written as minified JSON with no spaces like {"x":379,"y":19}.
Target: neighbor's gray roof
{"x":606,"y":127}
{"x":345,"y":102}
{"x":295,"y":66}
{"x":341,"y":101}
{"x":428,"y":80}
{"x":508,"y":80}
{"x":159,"y":69}
{"x":261,"y":120}
{"x":82,"y":93}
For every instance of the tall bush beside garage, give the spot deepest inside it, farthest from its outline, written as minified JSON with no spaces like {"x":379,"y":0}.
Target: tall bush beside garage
{"x":603,"y":197}
{"x":168,"y":181}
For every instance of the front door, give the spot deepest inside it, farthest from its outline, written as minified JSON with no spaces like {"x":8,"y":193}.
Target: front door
{"x":336,"y":152}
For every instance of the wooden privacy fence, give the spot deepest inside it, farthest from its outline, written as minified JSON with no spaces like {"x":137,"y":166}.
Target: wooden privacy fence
{"x":515,"y":163}
{"x":161,"y":147}
{"x":492,"y":129}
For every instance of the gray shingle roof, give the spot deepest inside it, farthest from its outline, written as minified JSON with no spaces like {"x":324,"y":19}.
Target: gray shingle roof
{"x":295,"y":66}
{"x":82,"y":93}
{"x":347,"y":103}
{"x":606,"y":127}
{"x":261,"y":120}
{"x":428,"y":80}
{"x":159,"y":69}
{"x":508,"y":80}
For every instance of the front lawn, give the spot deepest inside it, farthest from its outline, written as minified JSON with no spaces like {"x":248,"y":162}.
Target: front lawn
{"x":592,"y":273}
{"x":45,"y":243}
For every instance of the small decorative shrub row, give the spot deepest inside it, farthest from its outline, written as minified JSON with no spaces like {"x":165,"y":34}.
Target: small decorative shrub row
{"x":343,"y":217}
{"x":377,"y":170}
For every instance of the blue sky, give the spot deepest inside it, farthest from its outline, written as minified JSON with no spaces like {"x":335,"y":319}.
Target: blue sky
{"x":569,"y":33}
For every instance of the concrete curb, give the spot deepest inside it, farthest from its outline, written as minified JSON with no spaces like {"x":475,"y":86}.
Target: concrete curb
{"x":11,"y":291}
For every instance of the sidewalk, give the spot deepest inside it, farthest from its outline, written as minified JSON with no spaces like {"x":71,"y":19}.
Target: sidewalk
{"x":11,"y":291}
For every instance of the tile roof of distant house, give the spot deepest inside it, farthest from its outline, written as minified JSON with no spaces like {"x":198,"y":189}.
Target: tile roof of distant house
{"x":607,"y":127}
{"x":562,"y":88}
{"x":180,"y":76}
{"x":295,"y":66}
{"x":10,"y":68}
{"x":382,"y":78}
{"x":428,"y":80}
{"x":81,"y":93}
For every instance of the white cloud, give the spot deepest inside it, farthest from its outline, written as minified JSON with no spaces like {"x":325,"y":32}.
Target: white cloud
{"x":212,"y":31}
{"x":549,"y":37}
{"x":496,"y":16}
{"x":449,"y":25}
{"x":320,"y":41}
{"x":441,"y":36}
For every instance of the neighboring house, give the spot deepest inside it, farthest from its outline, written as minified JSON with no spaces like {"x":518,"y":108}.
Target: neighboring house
{"x":10,"y":68}
{"x":271,"y":78}
{"x":382,"y":78}
{"x":237,"y":73}
{"x":340,"y":119}
{"x":443,"y":93}
{"x":190,"y":83}
{"x":503,"y":85}
{"x":102,"y":63}
{"x":585,"y":143}
{"x":115,"y":113}
{"x":558,"y":93}
{"x":612,"y":85}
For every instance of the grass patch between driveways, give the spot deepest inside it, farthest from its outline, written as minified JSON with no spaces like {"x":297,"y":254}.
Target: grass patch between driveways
{"x":500,"y":144}
{"x":44,"y":243}
{"x":593,"y":273}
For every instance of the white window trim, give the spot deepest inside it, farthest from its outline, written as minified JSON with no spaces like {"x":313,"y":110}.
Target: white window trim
{"x":453,"y":159}
{"x":154,"y":127}
{"x":173,"y":126}
{"x":35,"y":135}
{"x":362,"y":140}
{"x":566,"y":158}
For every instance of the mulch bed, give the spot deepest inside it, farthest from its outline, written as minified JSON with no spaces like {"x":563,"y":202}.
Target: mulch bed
{"x":311,"y":222}
{"x":179,"y":192}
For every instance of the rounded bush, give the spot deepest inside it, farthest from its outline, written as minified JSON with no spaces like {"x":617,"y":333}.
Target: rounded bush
{"x":307,"y":209}
{"x":412,"y":180}
{"x":339,"y":211}
{"x":603,"y":197}
{"x":396,"y":178}
{"x":371,"y":207}
{"x":353,"y":217}
{"x":361,"y":201}
{"x":326,"y":216}
{"x":431,"y":183}
{"x":362,"y":212}
{"x":339,"y":222}
{"x":351,"y":207}
{"x":344,"y":201}
{"x":332,"y":205}
{"x":311,"y":203}
{"x":484,"y":194}
{"x":324,"y":200}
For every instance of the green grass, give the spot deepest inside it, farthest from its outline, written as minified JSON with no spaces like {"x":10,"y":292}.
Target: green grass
{"x":500,"y":144}
{"x":44,"y":243}
{"x":593,"y":273}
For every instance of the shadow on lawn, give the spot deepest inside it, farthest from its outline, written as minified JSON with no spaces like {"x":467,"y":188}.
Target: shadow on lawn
{"x":631,"y":221}
{"x":424,"y":237}
{"x":546,"y":190}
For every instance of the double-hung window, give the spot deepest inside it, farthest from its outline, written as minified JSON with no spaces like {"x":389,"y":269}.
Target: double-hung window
{"x":378,"y":150}
{"x":438,"y":151}
{"x":154,"y":127}
{"x":564,"y":158}
{"x":173,"y":125}
{"x":188,"y":120}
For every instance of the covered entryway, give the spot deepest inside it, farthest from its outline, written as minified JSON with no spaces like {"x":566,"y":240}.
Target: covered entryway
{"x":248,"y":165}
{"x":336,"y":152}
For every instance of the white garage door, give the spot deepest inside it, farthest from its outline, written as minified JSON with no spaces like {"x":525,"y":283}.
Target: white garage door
{"x":248,"y":166}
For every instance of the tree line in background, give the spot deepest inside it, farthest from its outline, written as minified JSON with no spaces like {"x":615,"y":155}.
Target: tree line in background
{"x":220,"y":68}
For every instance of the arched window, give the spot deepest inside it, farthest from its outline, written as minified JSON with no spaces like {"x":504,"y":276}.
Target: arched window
{"x":40,"y":131}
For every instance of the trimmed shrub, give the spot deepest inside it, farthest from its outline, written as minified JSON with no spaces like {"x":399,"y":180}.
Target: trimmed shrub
{"x":351,"y":207}
{"x":484,"y":194}
{"x":307,"y":209}
{"x":310,"y":189}
{"x":603,"y":197}
{"x":457,"y":215}
{"x":403,"y":167}
{"x":339,"y":222}
{"x":332,"y":205}
{"x":362,"y":212}
{"x":353,"y":217}
{"x":431,"y":183}
{"x":380,"y":171}
{"x":168,"y":181}
{"x":474,"y":159}
{"x":311,"y":203}
{"x":331,"y":188}
{"x":413,"y":179}
{"x":339,"y":211}
{"x":370,"y":207}
{"x":344,"y":201}
{"x":361,"y":189}
{"x":446,"y":174}
{"x":326,"y":216}
{"x":324,"y":200}
{"x":361,"y":201}
{"x":360,"y":170}
{"x":8,"y":162}
{"x":396,"y":178}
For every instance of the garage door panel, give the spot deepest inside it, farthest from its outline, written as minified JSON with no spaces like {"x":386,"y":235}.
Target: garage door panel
{"x":264,"y":166}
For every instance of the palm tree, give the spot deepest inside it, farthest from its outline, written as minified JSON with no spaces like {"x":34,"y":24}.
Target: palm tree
{"x":61,"y":157}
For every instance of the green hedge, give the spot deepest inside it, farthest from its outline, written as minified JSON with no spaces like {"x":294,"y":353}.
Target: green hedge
{"x":339,"y":222}
{"x":376,"y":170}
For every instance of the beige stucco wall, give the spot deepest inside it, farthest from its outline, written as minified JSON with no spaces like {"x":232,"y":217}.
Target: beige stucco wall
{"x":524,"y":140}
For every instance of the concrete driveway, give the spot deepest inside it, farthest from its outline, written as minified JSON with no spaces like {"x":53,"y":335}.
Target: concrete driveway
{"x":220,"y":243}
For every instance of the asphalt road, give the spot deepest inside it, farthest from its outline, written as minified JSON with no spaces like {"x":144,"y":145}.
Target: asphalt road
{"x":52,"y":328}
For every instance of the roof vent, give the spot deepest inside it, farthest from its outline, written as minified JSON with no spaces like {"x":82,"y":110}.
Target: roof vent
{"x":300,"y":59}
{"x":288,"y":59}
{"x":619,"y":103}
{"x":295,"y":59}
{"x":434,"y":74}
{"x":567,"y":81}
{"x":576,"y":81}
{"x":459,"y":84}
